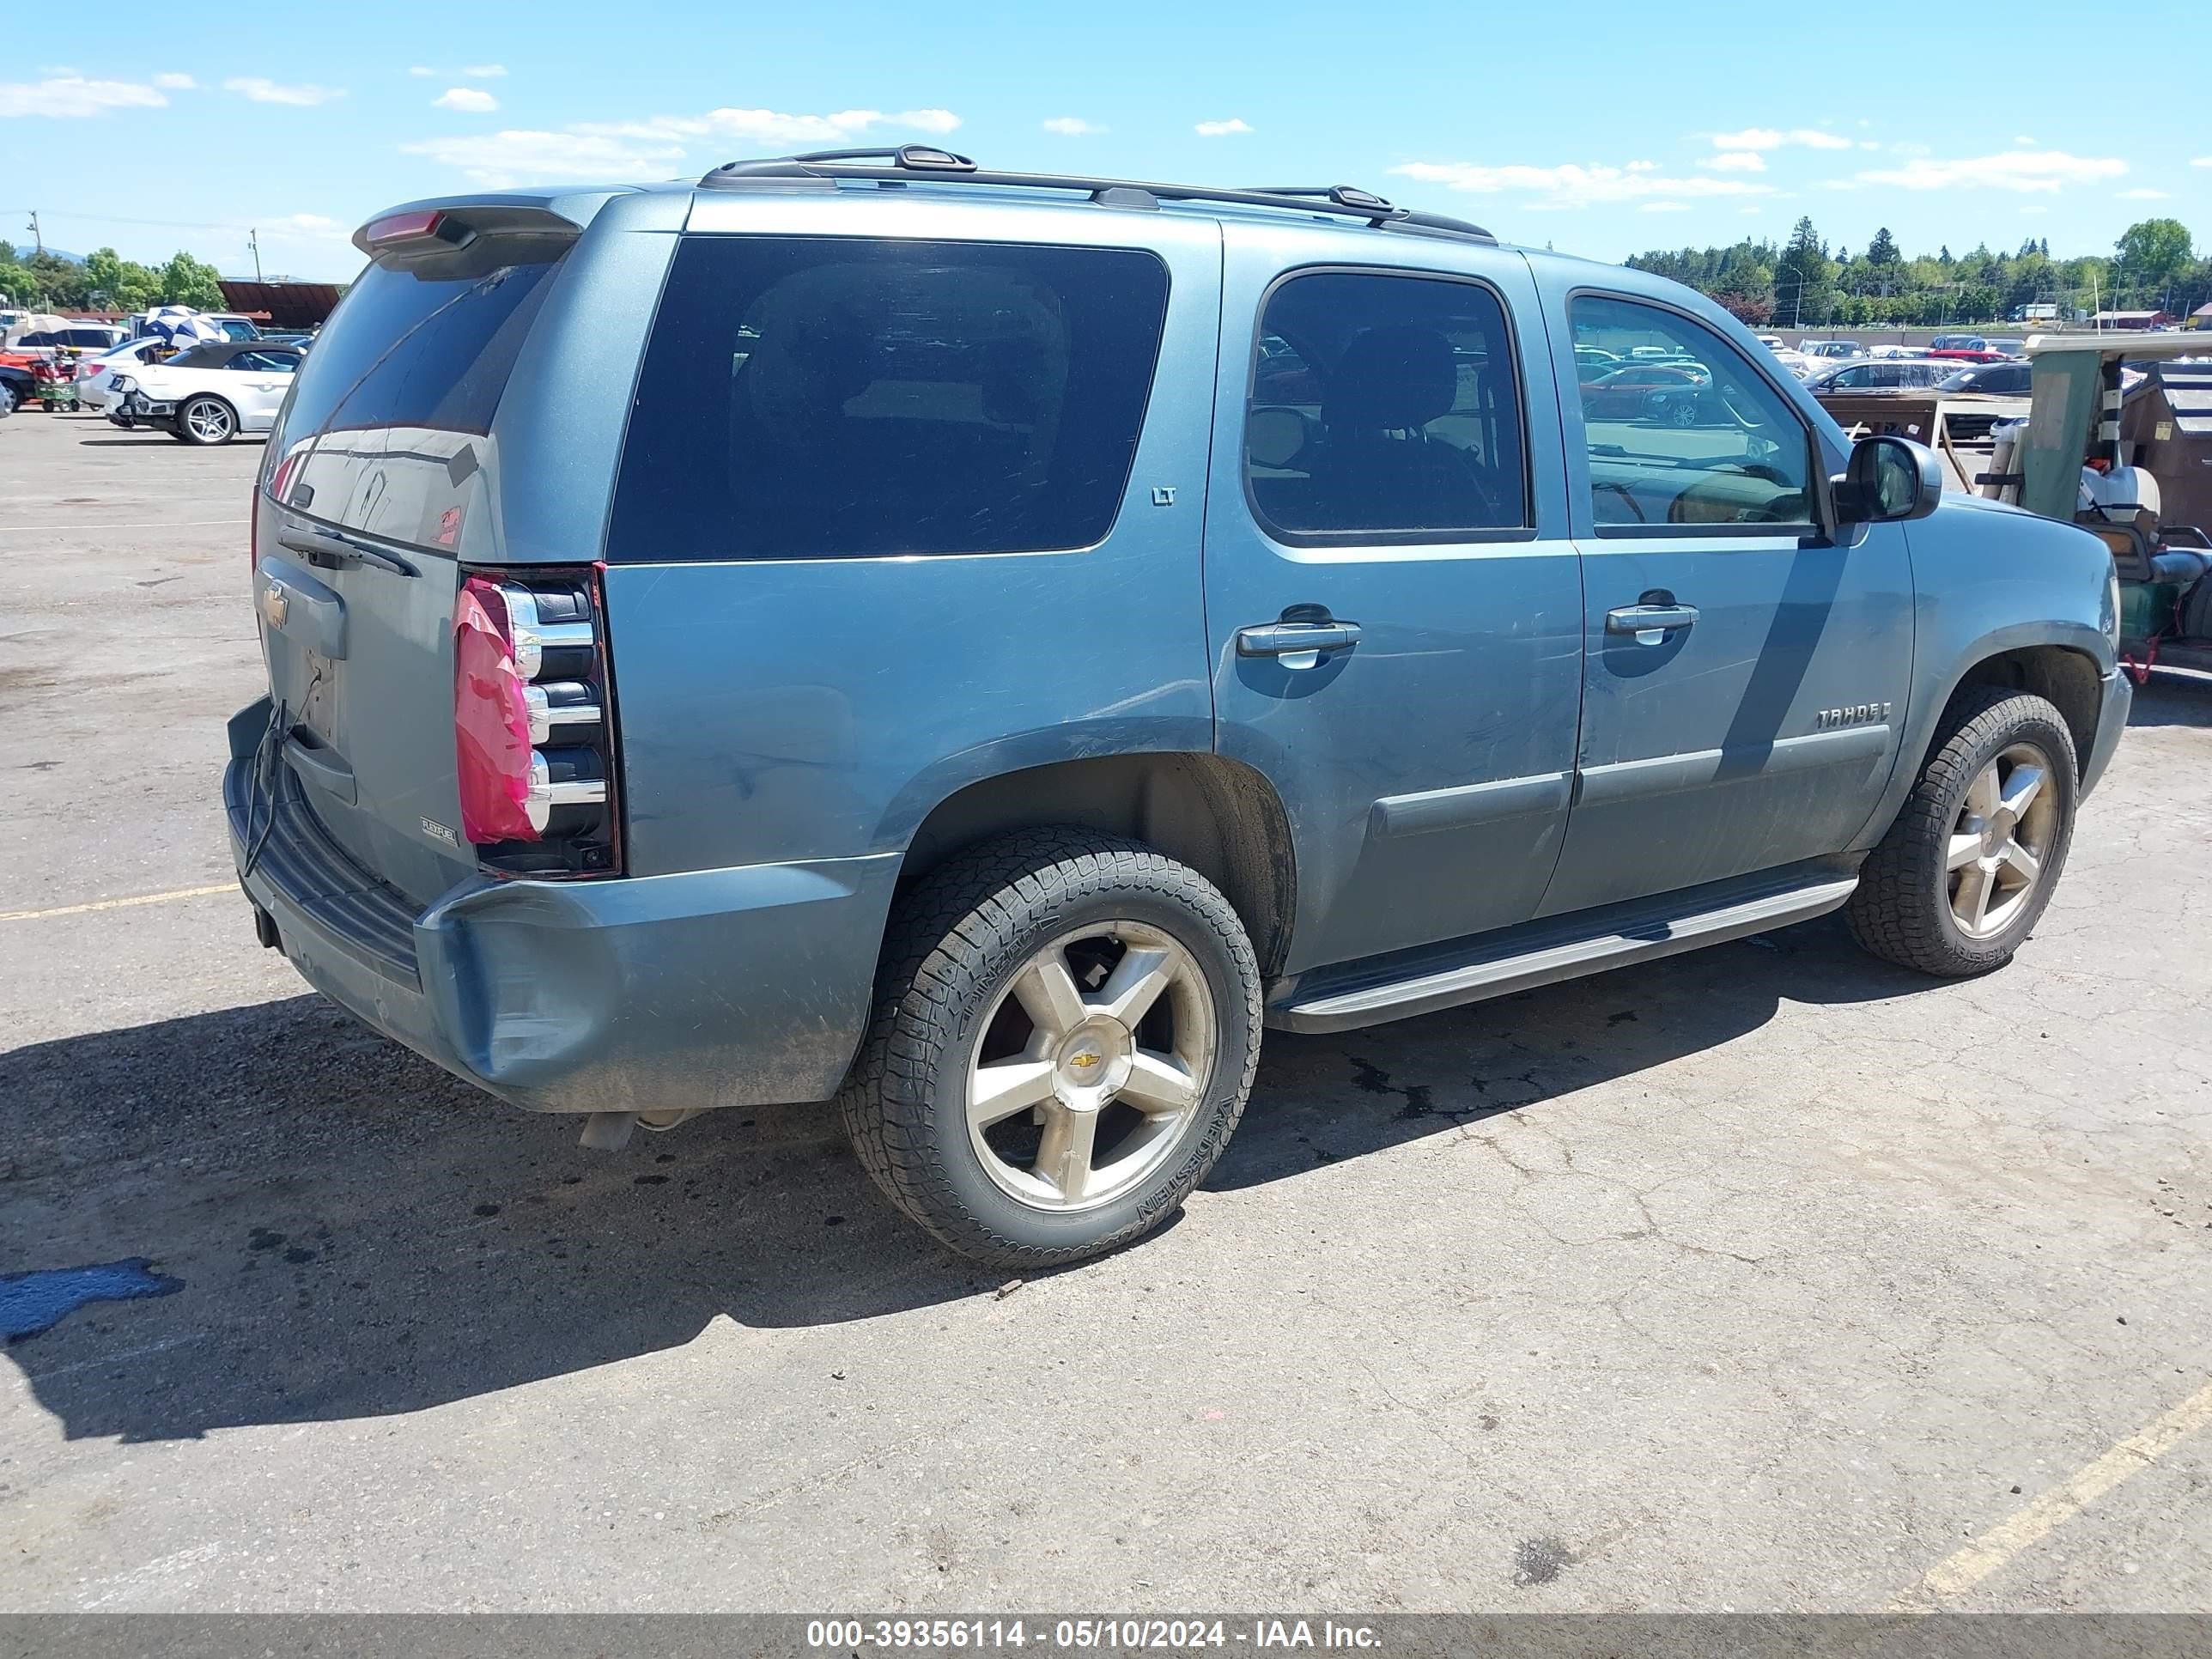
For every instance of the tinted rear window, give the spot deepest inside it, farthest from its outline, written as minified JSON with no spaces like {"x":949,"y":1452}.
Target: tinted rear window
{"x":402,"y":350}
{"x":811,"y":397}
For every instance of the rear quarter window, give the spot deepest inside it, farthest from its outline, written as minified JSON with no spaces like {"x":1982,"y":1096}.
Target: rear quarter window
{"x":819,"y":397}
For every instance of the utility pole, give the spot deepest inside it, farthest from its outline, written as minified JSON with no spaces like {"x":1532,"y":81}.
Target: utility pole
{"x":253,"y":241}
{"x":38,"y":242}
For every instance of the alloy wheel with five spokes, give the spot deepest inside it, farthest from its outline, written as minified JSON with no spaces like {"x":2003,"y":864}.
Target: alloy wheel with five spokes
{"x":1075,"y":1096}
{"x":2000,"y":841}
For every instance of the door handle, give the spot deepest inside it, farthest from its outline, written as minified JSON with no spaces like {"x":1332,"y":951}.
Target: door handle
{"x":1649,"y":623}
{"x":1296,"y":639}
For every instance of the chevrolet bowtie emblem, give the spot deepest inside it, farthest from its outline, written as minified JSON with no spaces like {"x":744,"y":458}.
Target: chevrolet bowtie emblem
{"x":276,"y":605}
{"x":1084,"y":1062}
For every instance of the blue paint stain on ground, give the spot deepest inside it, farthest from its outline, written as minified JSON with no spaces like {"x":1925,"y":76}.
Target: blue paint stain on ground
{"x":31,"y":1303}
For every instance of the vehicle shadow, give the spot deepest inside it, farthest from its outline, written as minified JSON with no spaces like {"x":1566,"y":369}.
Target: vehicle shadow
{"x":2174,"y":697}
{"x":349,"y":1232}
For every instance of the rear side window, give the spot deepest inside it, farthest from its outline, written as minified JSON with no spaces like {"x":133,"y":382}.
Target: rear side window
{"x":816,"y":397}
{"x":1384,"y":407}
{"x":405,"y":350}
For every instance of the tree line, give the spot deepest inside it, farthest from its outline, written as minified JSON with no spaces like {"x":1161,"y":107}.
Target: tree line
{"x":42,"y":281}
{"x":2153,"y":266}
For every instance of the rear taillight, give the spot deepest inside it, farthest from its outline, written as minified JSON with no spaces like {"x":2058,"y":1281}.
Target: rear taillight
{"x":531,"y":732}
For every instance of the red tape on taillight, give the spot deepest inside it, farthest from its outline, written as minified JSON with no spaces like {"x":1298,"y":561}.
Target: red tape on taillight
{"x":491,"y":719}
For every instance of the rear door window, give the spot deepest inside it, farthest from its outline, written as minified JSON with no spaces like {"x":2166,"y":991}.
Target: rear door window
{"x":1384,"y":407}
{"x":817,"y":397}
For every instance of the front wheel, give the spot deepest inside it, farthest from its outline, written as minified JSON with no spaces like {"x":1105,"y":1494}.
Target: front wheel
{"x":1064,"y":1034}
{"x":1963,"y":876}
{"x":206,"y":421}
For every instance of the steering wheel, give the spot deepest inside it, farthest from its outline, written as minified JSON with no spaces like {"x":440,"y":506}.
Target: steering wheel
{"x":1621,"y":490}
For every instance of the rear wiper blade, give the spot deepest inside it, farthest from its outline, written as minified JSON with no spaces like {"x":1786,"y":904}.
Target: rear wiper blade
{"x":329,"y":549}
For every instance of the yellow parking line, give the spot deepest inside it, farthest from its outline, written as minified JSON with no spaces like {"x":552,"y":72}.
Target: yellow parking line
{"x":1963,"y":1569}
{"x":117,"y":904}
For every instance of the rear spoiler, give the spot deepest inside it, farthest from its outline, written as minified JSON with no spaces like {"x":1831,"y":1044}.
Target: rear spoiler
{"x":465,"y":238}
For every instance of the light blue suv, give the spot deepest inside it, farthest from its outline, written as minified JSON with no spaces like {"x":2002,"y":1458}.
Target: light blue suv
{"x":985,"y":646}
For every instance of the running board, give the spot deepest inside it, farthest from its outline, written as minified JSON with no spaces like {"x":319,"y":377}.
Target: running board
{"x":1644,"y":940}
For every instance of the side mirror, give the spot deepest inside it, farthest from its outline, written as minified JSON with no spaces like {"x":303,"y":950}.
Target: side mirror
{"x":1889,"y":480}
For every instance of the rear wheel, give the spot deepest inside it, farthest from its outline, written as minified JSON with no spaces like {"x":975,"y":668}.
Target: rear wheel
{"x":1066,"y":1030}
{"x":1963,"y":876}
{"x":7,"y":400}
{"x":206,"y":421}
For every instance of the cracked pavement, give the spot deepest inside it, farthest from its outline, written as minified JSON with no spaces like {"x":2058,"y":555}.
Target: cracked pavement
{"x":1762,"y":1278}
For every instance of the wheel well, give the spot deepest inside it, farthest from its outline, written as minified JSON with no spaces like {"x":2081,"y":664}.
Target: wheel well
{"x":1220,"y":816}
{"x":2067,"y":679}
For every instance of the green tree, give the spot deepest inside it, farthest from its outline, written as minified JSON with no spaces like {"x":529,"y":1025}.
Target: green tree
{"x":2154,"y":256}
{"x":118,"y":284}
{"x":1882,"y":251}
{"x":186,"y":281}
{"x":1804,"y":278}
{"x":62,"y":279}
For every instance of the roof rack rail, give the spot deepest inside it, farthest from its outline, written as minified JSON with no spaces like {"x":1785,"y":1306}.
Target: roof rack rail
{"x":823,"y":168}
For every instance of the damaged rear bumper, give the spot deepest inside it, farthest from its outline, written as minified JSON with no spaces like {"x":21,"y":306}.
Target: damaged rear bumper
{"x":664,"y":993}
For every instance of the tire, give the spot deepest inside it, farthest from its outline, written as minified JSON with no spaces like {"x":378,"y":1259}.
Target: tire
{"x":959,"y":974}
{"x":1911,"y":904}
{"x":1683,"y":412}
{"x":7,"y":400}
{"x":204,"y":422}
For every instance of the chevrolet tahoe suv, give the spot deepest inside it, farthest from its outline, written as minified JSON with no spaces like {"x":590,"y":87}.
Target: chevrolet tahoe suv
{"x":987,"y":646}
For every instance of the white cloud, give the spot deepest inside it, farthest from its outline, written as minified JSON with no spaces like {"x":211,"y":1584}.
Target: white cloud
{"x":2035,"y":171}
{"x":2142,"y":194}
{"x":2024,"y":140}
{"x":262,"y":91}
{"x":1221,"y":129}
{"x":1571,"y":185}
{"x":1736,"y":161}
{"x":1072,"y":126}
{"x":422,"y":72}
{"x":176,"y":83}
{"x":1644,"y":167}
{"x":2201,"y":161}
{"x":768,"y":126}
{"x":594,"y":151}
{"x":474,"y":99}
{"x":65,"y":96}
{"x":1776,"y":138}
{"x":485,"y":71}
{"x":520,"y":156}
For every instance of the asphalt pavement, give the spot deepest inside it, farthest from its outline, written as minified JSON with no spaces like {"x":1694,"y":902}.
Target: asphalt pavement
{"x":1767,"y":1278}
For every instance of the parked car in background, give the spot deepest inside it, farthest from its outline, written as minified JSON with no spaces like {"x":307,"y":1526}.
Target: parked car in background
{"x":207,"y":394}
{"x":1440,"y":686}
{"x":1898,"y":374}
{"x":1659,"y":390}
{"x":1955,"y":355}
{"x":76,"y":339}
{"x":19,"y":387}
{"x":2016,"y":350}
{"x":1959,"y":343}
{"x":2005,"y":379}
{"x":1831,"y":350}
{"x":96,"y":375}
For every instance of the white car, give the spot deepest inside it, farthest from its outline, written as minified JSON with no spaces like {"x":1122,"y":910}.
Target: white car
{"x":94,"y":375}
{"x":207,"y":394}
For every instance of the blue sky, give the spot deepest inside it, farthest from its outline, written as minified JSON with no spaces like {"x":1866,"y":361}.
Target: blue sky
{"x":1603,"y":128}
